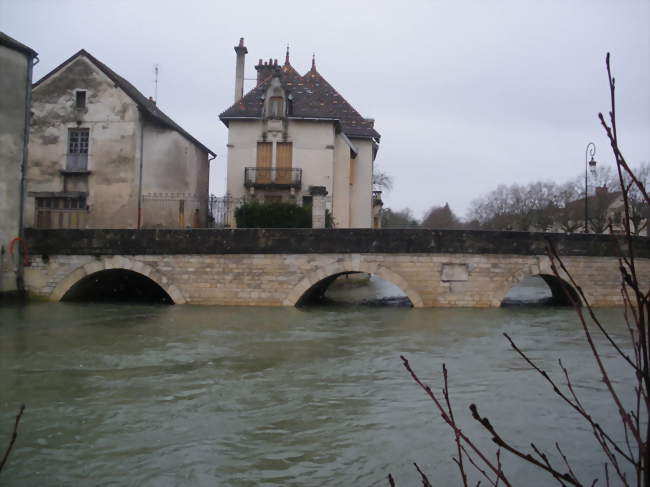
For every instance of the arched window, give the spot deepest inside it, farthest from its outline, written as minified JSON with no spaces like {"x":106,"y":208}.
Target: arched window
{"x":276,"y":107}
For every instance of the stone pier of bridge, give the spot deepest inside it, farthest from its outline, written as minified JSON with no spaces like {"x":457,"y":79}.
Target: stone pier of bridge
{"x":283,"y":267}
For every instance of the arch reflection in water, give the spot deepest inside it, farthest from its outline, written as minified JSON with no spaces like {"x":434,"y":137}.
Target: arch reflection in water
{"x":541,"y":290}
{"x":117,"y":285}
{"x":355,"y":288}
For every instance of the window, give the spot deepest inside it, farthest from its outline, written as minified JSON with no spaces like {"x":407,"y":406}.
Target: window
{"x":283,"y":162}
{"x":61,"y":212}
{"x":276,"y":107}
{"x":77,"y":150}
{"x":80,"y":99}
{"x":264,"y":162}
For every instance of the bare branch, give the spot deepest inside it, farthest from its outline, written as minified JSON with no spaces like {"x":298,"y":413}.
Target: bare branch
{"x":14,"y":435}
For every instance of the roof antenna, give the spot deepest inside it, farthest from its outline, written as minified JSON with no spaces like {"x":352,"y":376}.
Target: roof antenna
{"x":155,"y":95}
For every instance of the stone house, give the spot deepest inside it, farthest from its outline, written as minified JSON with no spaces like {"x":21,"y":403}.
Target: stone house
{"x":102,"y":155}
{"x":16,"y":63}
{"x":294,"y":132}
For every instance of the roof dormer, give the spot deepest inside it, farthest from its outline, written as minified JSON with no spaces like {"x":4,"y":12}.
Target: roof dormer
{"x":275,"y":100}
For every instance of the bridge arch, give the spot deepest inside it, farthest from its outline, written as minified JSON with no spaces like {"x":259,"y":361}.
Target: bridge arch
{"x":563,"y":293}
{"x":326,"y":274}
{"x":116,"y":263}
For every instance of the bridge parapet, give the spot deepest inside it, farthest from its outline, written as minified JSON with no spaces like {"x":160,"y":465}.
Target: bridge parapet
{"x":322,"y":241}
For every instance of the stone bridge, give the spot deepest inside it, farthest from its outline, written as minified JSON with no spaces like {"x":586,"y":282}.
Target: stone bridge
{"x":287,"y":267}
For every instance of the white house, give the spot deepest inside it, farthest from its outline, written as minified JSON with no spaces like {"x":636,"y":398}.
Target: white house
{"x":294,"y":132}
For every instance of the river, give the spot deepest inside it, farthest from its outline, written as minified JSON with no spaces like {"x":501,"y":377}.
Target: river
{"x":152,"y":395}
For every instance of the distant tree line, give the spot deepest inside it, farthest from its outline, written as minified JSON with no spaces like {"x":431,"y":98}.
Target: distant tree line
{"x":540,"y":206}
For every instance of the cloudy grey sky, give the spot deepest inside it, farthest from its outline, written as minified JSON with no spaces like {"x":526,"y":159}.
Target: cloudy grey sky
{"x":466,"y":94}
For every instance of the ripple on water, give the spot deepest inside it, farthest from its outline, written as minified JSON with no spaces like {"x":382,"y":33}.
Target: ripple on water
{"x":152,"y":395}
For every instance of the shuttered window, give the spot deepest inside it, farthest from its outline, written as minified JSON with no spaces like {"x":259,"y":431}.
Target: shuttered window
{"x":284,"y":162}
{"x":264,"y":162}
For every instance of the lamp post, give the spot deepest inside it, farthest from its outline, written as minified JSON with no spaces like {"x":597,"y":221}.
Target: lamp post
{"x":590,"y":151}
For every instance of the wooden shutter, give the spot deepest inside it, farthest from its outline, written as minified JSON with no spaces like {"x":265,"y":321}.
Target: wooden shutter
{"x":284,"y":162}
{"x":264,"y":162}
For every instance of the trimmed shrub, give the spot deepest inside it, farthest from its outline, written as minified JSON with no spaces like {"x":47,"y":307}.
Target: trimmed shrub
{"x":273,"y":215}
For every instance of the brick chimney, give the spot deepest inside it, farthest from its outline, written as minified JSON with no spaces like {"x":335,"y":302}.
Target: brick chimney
{"x":266,"y":69}
{"x":239,"y":69}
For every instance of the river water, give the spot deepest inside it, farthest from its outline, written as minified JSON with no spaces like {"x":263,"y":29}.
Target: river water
{"x":151,"y":395}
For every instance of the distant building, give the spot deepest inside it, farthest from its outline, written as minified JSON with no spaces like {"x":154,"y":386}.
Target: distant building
{"x":603,"y":207}
{"x":102,"y":155}
{"x":16,"y":62}
{"x":291,"y":133}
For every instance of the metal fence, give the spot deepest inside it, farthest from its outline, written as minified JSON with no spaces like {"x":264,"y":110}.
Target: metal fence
{"x":221,"y":211}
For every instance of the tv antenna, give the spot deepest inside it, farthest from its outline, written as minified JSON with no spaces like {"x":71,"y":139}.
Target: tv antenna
{"x":155,"y":93}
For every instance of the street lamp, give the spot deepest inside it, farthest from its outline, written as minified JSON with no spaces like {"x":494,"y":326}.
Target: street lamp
{"x":590,"y":151}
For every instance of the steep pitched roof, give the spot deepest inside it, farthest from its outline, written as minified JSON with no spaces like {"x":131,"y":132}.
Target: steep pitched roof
{"x":5,"y":40}
{"x":145,"y":104}
{"x":312,"y":97}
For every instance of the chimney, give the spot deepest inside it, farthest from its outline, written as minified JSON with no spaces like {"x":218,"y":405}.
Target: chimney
{"x":266,"y":69}
{"x":239,"y":69}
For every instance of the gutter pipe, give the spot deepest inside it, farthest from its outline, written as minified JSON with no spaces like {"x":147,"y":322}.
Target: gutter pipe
{"x":20,"y":273}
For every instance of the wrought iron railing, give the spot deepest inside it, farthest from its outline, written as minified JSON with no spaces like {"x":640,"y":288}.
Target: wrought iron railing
{"x":221,"y":211}
{"x":272,"y":177}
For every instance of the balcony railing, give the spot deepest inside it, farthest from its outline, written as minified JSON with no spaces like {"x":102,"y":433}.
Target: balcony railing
{"x":272,"y":178}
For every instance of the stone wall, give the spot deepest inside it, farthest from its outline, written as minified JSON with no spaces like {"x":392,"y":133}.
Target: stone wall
{"x":261,"y":267}
{"x":282,"y":279}
{"x":299,"y":241}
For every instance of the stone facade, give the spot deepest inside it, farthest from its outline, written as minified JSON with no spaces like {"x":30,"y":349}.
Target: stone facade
{"x":102,"y":155}
{"x":16,"y":62}
{"x":445,"y":280}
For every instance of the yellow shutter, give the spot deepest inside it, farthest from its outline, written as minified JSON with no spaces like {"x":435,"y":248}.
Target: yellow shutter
{"x":284,"y":162}
{"x":264,"y":162}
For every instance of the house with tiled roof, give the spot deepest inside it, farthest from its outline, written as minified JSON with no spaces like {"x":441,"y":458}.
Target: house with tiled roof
{"x":103,"y":155}
{"x":292,"y":135}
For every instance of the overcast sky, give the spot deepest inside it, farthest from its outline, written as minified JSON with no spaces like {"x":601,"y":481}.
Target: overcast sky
{"x":466,"y":94}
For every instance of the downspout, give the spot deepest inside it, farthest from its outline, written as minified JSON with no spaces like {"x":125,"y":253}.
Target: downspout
{"x":20,"y":273}
{"x":140,"y":171}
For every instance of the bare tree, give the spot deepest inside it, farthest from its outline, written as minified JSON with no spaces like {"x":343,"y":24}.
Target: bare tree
{"x":631,"y":450}
{"x":639,"y":208}
{"x":381,"y":180}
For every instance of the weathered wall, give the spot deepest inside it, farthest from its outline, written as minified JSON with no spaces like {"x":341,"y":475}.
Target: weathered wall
{"x":13,"y":83}
{"x":174,"y":170}
{"x":114,"y":124}
{"x":276,"y":267}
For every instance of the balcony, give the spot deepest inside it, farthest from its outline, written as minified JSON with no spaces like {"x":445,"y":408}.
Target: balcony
{"x":272,"y":178}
